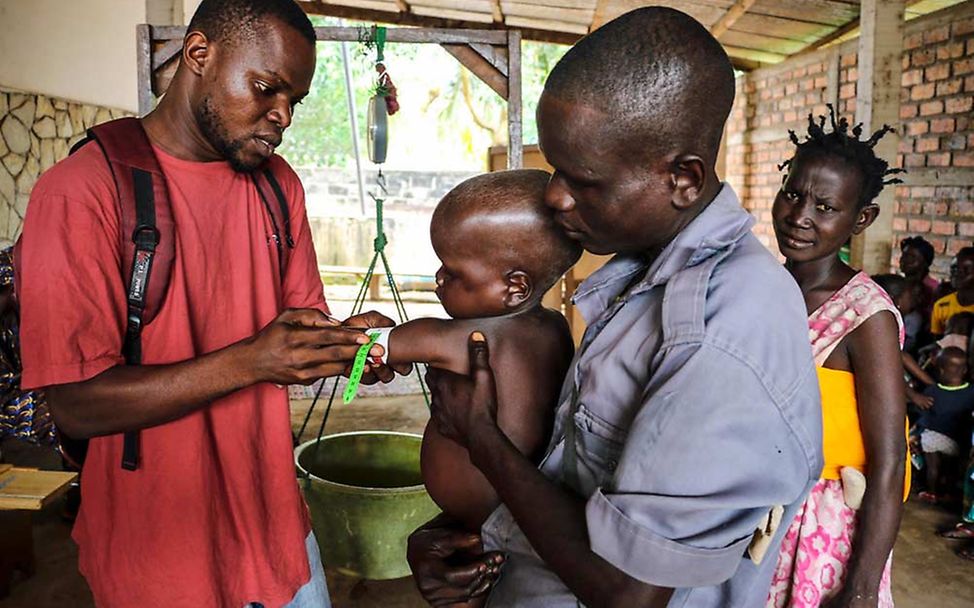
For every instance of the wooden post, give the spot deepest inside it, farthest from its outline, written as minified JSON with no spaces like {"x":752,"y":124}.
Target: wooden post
{"x":515,"y":144}
{"x":143,"y":58}
{"x":878,"y":103}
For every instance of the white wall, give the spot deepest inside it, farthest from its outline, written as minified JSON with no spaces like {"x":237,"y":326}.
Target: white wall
{"x":81,"y":50}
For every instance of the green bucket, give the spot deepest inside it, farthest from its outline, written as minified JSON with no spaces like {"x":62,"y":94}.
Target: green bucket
{"x":366,"y":495}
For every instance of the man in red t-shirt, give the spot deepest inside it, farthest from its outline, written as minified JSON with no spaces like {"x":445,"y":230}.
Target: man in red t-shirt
{"x":213,"y":515}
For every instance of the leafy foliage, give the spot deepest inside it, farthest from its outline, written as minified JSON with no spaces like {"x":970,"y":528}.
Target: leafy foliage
{"x":448,"y":119}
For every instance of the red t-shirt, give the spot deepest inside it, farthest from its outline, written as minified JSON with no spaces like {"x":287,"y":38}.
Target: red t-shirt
{"x":213,"y":516}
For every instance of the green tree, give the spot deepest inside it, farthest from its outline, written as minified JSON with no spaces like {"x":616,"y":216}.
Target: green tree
{"x":448,"y":119}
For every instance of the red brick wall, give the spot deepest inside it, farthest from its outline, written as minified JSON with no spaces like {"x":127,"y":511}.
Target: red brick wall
{"x":937,"y":128}
{"x":769,"y":103}
{"x":937,"y":146}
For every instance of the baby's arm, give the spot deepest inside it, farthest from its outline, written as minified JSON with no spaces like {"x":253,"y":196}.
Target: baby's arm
{"x":441,"y":343}
{"x":914,"y":369}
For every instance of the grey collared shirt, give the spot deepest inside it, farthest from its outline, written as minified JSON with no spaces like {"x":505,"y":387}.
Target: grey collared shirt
{"x":690,"y":411}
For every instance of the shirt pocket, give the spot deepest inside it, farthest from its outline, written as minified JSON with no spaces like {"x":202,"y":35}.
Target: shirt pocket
{"x":598,"y":444}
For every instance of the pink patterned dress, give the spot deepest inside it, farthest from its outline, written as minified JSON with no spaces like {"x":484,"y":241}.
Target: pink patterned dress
{"x":814,"y":553}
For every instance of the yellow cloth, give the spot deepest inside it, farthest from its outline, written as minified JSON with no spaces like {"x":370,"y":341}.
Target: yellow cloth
{"x":841,"y":434}
{"x":943,"y":309}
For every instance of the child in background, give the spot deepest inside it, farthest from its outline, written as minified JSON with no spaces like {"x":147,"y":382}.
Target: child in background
{"x":501,"y":250}
{"x":946,"y":425}
{"x":904,"y":297}
{"x":957,"y":333}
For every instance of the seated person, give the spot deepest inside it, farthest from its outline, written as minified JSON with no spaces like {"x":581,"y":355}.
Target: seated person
{"x":946,"y":424}
{"x":957,"y":333}
{"x":500,"y":251}
{"x":962,"y":300}
{"x":904,"y":298}
{"x":23,"y":414}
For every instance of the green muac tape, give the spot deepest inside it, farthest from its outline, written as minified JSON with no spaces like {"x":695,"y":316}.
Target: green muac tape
{"x":358,"y":367}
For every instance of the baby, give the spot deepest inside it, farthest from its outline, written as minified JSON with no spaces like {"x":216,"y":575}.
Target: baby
{"x":500,"y":251}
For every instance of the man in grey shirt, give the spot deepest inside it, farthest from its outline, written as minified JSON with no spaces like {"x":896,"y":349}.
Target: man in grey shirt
{"x":689,"y":427}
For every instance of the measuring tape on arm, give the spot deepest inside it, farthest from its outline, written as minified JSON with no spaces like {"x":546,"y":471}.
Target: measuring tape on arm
{"x":378,"y":336}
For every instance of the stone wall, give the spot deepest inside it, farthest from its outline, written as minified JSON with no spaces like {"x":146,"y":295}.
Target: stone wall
{"x":343,"y":236}
{"x":36,"y":131}
{"x":937,"y":128}
{"x":334,"y":192}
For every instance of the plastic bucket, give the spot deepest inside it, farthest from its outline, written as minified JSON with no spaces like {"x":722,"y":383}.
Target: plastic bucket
{"x":366,"y":495}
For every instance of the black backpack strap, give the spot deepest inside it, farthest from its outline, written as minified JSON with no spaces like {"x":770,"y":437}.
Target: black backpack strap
{"x":148,"y":237}
{"x":268,"y":187}
{"x":145,"y":238}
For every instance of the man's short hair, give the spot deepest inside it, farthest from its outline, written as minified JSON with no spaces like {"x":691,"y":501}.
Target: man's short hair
{"x":662,"y":79}
{"x":231,"y":21}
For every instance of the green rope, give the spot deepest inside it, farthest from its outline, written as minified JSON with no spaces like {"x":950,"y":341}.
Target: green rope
{"x":379,"y":34}
{"x":380,"y":242}
{"x":378,"y":37}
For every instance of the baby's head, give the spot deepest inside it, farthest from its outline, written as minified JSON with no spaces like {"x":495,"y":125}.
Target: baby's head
{"x":829,"y":191}
{"x":499,"y":245}
{"x":951,"y":366}
{"x":899,"y":290}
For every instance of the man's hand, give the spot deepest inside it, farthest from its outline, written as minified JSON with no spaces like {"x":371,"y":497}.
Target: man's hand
{"x":374,"y":372}
{"x":449,"y":564}
{"x":300,"y":346}
{"x":461,"y":404}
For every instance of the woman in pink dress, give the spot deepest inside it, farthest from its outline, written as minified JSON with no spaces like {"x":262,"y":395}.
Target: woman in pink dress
{"x":837,"y":551}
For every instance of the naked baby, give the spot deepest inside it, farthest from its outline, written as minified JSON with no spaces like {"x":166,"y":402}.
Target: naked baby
{"x":500,"y":251}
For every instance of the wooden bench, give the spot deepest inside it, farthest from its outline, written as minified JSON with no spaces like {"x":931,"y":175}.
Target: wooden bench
{"x":23,"y":491}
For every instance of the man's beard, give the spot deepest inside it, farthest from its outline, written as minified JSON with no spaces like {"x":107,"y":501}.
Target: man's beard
{"x":214,"y":131}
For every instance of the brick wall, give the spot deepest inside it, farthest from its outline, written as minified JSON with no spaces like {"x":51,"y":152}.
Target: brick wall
{"x":937,"y":145}
{"x":769,"y":103}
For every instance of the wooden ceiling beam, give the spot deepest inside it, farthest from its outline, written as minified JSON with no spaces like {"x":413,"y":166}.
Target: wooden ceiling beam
{"x":848,"y":28}
{"x":496,"y":11}
{"x":402,"y":5}
{"x":735,"y":12}
{"x":599,"y":16}
{"x":474,"y":61}
{"x":412,"y":19}
{"x":766,"y":57}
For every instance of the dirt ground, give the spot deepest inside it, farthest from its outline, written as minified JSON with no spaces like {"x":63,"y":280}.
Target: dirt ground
{"x":925,"y":571}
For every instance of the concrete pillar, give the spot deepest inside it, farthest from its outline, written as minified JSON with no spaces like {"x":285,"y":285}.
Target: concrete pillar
{"x":878,"y":103}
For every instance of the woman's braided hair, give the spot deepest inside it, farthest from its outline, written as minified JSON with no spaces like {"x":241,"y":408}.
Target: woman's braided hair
{"x":845,"y":144}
